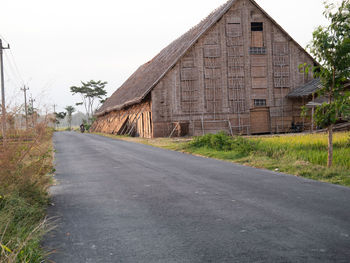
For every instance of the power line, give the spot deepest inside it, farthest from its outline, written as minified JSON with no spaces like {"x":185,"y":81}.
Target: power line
{"x":12,"y":67}
{"x":16,"y":67}
{"x":10,"y":77}
{"x":4,"y":39}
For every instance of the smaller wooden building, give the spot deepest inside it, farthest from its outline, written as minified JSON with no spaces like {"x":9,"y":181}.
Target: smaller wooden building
{"x":237,"y":71}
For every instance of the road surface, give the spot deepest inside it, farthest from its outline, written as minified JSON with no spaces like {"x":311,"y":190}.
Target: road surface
{"x":119,"y":201}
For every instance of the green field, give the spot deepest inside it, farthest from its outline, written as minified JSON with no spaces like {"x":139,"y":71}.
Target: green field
{"x":298,"y":154}
{"x":311,"y":148}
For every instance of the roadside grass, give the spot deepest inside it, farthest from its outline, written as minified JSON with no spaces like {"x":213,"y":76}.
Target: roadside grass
{"x":298,"y":154}
{"x":25,"y":175}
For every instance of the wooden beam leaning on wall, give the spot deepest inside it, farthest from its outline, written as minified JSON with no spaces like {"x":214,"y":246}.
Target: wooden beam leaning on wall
{"x":136,"y":120}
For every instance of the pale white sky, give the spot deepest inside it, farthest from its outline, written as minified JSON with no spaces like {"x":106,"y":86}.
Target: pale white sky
{"x":57,"y":43}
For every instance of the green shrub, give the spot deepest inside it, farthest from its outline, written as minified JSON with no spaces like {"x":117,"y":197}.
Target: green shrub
{"x":222,"y":142}
{"x":87,"y":126}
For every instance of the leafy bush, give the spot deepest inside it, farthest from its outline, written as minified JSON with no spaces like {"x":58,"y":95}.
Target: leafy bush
{"x":222,"y":142}
{"x":87,"y":126}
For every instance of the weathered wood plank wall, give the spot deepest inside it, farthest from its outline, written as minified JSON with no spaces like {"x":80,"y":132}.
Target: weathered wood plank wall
{"x":218,"y":83}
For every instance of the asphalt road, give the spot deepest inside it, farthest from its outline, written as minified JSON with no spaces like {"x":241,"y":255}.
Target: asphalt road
{"x":118,"y":201}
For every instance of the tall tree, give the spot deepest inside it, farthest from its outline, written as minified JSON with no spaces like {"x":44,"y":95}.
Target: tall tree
{"x":69,"y":110}
{"x":59,"y":116}
{"x":90,"y":92}
{"x":331,"y":47}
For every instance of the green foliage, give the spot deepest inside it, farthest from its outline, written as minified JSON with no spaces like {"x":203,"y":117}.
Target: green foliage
{"x":329,"y":113}
{"x":103,"y":100}
{"x":87,"y":126}
{"x":90,"y":92}
{"x":331,"y":47}
{"x":303,"y":112}
{"x":70,"y":110}
{"x":325,"y":115}
{"x":30,"y":110}
{"x":305,"y":68}
{"x":59,"y":116}
{"x":91,"y":89}
{"x":222,"y":142}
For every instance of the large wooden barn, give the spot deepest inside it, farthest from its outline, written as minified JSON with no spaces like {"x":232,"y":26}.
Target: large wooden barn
{"x":234,"y":71}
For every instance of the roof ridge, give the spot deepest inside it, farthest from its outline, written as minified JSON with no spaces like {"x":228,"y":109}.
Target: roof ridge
{"x":202,"y":27}
{"x":148,"y":75}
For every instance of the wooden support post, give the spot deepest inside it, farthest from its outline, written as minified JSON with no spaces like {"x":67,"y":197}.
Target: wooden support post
{"x":171,"y":134}
{"x":120,"y":120}
{"x":134,"y":122}
{"x":229,"y":124}
{"x":202,"y":125}
{"x":239,"y":121}
{"x":125,"y":127}
{"x":303,"y":115}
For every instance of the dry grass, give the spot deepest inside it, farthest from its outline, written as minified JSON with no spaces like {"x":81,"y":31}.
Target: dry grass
{"x":25,"y":175}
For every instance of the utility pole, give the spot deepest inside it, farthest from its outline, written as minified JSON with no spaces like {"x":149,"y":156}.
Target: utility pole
{"x":25,"y":104}
{"x":3,"y":107}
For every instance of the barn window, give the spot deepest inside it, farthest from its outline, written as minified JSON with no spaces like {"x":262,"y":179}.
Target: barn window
{"x":257,"y":50}
{"x":257,"y":26}
{"x":259,"y":102}
{"x":257,"y":34}
{"x":233,"y":30}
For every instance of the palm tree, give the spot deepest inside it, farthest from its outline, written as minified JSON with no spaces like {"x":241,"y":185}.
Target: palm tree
{"x":70,"y":110}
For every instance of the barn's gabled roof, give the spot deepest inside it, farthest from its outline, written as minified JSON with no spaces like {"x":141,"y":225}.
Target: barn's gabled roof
{"x":306,"y":90}
{"x":147,"y":76}
{"x":137,"y":86}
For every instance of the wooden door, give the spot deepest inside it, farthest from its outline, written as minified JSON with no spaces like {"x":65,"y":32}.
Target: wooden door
{"x":260,"y":121}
